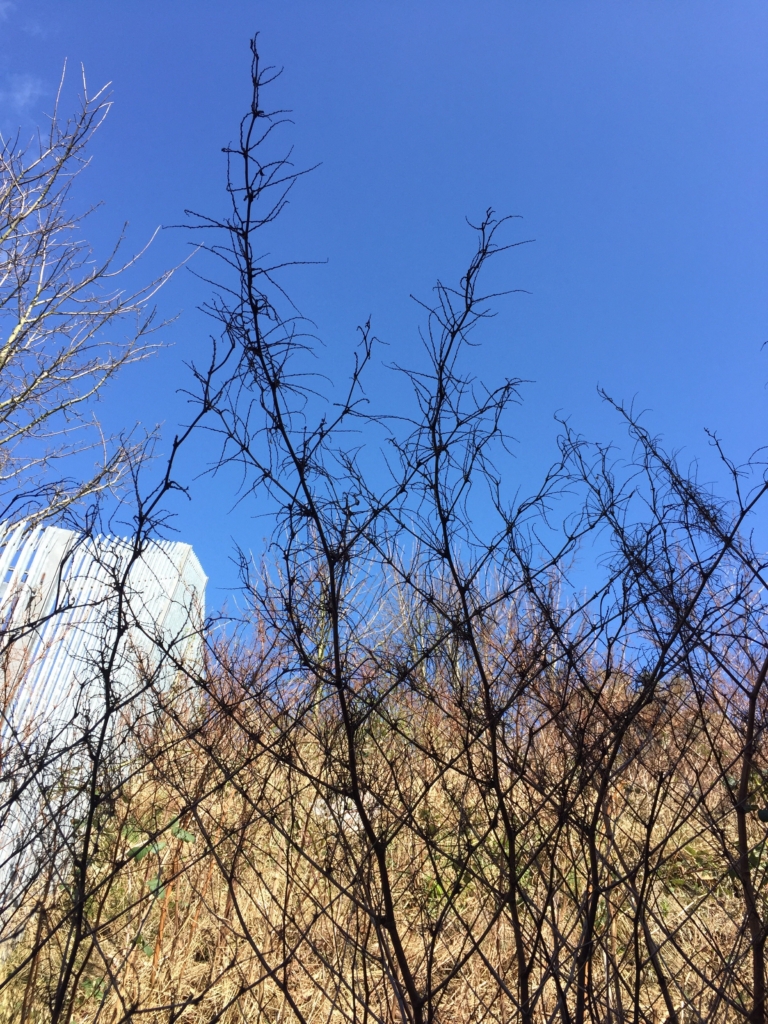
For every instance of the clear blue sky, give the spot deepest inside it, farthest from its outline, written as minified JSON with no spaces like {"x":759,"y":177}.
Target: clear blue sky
{"x":632,"y":138}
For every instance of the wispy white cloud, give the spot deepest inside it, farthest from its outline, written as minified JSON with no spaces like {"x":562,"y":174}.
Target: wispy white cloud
{"x":25,"y":21}
{"x":19,"y":93}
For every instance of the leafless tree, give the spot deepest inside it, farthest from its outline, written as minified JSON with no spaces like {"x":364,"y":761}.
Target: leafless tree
{"x":62,"y":318}
{"x":68,"y":327}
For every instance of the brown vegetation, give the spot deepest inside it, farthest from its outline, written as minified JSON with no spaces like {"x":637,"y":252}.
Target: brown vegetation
{"x":428,"y":778}
{"x":235,"y":879}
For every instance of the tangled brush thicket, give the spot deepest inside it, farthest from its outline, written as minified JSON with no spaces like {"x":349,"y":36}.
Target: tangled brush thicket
{"x":236,"y":873}
{"x":432,"y":776}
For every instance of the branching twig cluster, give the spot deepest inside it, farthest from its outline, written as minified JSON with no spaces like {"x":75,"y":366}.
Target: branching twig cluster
{"x":428,"y":778}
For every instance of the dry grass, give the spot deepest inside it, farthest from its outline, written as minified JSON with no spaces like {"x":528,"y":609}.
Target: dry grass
{"x":257,"y":893}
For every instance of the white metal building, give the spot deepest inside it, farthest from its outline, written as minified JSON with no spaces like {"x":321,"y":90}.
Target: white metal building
{"x":78,"y":612}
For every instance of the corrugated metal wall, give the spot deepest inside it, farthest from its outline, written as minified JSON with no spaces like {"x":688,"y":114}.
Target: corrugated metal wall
{"x":78,"y":613}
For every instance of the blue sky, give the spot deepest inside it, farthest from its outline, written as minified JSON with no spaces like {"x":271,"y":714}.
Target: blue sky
{"x":631,"y":138}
